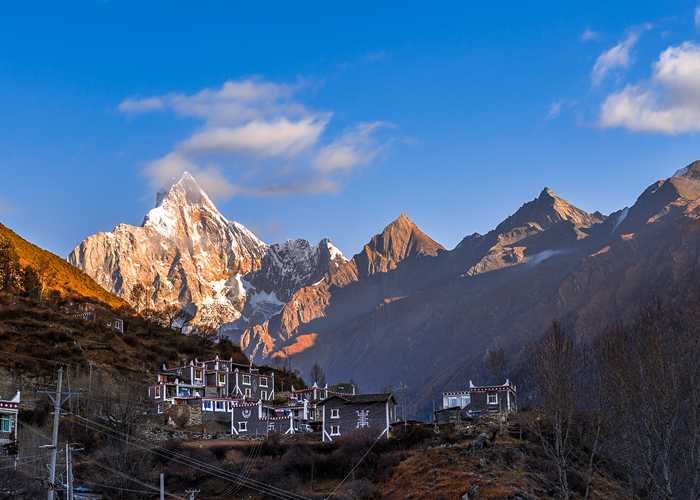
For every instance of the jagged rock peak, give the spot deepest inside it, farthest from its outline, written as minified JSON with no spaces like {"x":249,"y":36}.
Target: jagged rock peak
{"x":185,"y":193}
{"x":398,"y":240}
{"x":691,"y":171}
{"x":186,"y":254}
{"x":402,"y":237}
{"x":186,"y":190}
{"x":334,"y":252}
{"x":547,"y":209}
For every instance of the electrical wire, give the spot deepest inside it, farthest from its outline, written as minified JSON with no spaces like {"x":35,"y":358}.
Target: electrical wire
{"x":355,"y":466}
{"x":196,"y":464}
{"x":137,"y":481}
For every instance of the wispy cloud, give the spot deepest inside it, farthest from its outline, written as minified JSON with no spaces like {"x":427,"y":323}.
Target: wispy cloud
{"x":554,"y":109}
{"x":618,"y":56}
{"x":589,"y":35}
{"x":669,"y":102}
{"x":257,"y":137}
{"x":357,"y":146}
{"x":136,"y":105}
{"x":557,"y":107}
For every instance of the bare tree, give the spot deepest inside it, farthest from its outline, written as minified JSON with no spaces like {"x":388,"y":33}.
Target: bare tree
{"x":137,"y":296}
{"x":496,"y":363}
{"x":317,"y":375}
{"x":555,"y":372}
{"x":168,"y":315}
{"x":650,"y":372}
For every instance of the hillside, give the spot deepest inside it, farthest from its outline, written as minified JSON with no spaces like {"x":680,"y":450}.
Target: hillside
{"x":57,"y":274}
{"x":38,"y":336}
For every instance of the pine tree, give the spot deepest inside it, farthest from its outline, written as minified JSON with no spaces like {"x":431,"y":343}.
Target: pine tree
{"x":31,"y":283}
{"x":10,"y":275}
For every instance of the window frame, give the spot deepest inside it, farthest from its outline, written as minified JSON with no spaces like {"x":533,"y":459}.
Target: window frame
{"x":248,"y":393}
{"x":8,"y":419}
{"x":263,"y":395}
{"x":242,"y":426}
{"x":263,"y":382}
{"x":490,"y":395}
{"x":217,"y":403}
{"x":201,"y":374}
{"x":337,"y":430}
{"x":207,"y":405}
{"x":244,"y":377}
{"x":221,"y":378}
{"x":335,"y":413}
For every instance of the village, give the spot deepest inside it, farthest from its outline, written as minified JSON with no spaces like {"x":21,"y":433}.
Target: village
{"x":219,"y":400}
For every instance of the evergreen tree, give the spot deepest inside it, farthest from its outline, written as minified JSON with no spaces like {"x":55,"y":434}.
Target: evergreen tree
{"x":31,"y":283}
{"x":10,"y":275}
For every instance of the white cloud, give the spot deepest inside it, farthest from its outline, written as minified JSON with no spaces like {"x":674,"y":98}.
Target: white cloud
{"x":167,"y":170}
{"x":589,"y":35}
{"x":357,"y":146}
{"x":135,"y":105}
{"x":668,"y":103}
{"x":260,"y":136}
{"x":617,"y":56}
{"x":280,"y":137}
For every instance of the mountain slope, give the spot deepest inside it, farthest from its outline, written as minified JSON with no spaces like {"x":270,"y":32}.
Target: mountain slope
{"x":350,"y":288}
{"x":57,"y":274}
{"x":428,"y":321}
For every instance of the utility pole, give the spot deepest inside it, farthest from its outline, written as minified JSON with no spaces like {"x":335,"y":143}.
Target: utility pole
{"x":162,"y":486}
{"x":69,"y":473}
{"x":54,"y":441}
{"x":58,"y":399}
{"x":91,"y":365}
{"x":402,"y":390}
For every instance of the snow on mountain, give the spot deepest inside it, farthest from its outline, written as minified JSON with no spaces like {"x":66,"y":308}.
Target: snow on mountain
{"x":288,"y":266}
{"x":187,"y":254}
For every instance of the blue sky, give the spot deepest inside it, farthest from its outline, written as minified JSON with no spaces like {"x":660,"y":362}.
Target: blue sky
{"x":330,"y":120}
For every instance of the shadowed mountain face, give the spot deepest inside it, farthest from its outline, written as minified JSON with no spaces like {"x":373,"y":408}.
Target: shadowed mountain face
{"x":428,"y":319}
{"x":404,"y":309}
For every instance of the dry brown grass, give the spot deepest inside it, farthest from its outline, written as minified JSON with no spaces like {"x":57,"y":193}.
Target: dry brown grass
{"x":57,"y":274}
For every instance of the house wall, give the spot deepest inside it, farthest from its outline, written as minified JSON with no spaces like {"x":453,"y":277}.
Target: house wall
{"x":479,"y":402}
{"x":237,"y":385}
{"x":458,"y":398}
{"x":255,"y":425}
{"x":452,"y":415}
{"x":350,"y":422}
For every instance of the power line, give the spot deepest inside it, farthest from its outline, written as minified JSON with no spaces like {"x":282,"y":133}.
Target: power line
{"x":355,"y":466}
{"x":137,"y":481}
{"x":111,"y":487}
{"x":196,"y":464}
